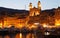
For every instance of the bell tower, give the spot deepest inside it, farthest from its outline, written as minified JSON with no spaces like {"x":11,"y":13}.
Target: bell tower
{"x":30,"y":6}
{"x":39,"y":5}
{"x":34,"y":11}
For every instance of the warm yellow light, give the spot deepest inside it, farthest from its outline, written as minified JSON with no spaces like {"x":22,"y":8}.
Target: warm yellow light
{"x":36,"y":23}
{"x":0,"y":25}
{"x":57,"y":22}
{"x":33,"y":26}
{"x":9,"y":26}
{"x":44,"y":25}
{"x":20,"y":35}
{"x":39,"y":5}
{"x":48,"y":26}
{"x":20,"y":25}
{"x":37,"y":13}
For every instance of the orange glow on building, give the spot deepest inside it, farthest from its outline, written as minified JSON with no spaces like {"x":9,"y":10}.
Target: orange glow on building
{"x":33,"y":10}
{"x":57,"y":22}
{"x":0,"y":25}
{"x":47,"y":18}
{"x":48,"y":26}
{"x":13,"y":21}
{"x":44,"y":25}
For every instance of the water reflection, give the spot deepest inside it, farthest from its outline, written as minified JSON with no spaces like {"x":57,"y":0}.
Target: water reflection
{"x":29,"y":35}
{"x":20,"y":35}
{"x":0,"y":36}
{"x":6,"y":36}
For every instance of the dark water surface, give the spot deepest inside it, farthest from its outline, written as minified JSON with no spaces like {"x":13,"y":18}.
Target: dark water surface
{"x":29,"y":35}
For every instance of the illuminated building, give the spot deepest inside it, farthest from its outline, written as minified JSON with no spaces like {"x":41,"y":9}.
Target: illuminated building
{"x":27,"y":18}
{"x":33,"y":10}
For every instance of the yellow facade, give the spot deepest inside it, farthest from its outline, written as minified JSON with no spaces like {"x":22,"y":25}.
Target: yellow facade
{"x":9,"y":21}
{"x":35,"y":11}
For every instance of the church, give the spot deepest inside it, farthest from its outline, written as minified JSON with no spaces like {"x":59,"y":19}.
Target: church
{"x":27,"y":18}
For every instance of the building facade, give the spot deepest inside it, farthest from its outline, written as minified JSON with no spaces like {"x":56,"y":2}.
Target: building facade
{"x":23,"y":18}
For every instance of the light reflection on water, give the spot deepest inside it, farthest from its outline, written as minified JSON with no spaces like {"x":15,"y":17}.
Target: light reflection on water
{"x":6,"y":36}
{"x":24,"y":35}
{"x":29,"y":35}
{"x":0,"y":36}
{"x":20,"y":35}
